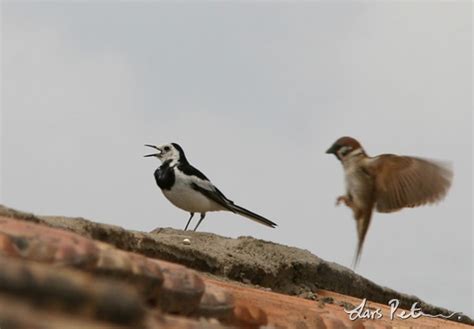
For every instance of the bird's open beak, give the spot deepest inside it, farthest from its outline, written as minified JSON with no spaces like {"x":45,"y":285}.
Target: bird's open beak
{"x":153,"y":154}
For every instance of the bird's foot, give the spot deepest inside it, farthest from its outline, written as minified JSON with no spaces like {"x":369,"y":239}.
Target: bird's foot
{"x":344,"y":199}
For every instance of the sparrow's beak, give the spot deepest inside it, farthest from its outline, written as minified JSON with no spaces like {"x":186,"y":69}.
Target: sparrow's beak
{"x":153,"y":154}
{"x":333,"y":149}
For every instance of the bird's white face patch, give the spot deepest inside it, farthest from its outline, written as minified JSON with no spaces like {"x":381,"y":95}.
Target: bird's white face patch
{"x":168,"y":152}
{"x":344,"y":151}
{"x":347,"y":152}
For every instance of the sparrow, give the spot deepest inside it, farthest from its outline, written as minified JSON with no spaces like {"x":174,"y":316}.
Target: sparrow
{"x":189,"y":189}
{"x":386,"y":183}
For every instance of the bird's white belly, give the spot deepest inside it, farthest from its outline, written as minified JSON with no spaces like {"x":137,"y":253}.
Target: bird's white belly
{"x":185,"y":197}
{"x":357,"y":186}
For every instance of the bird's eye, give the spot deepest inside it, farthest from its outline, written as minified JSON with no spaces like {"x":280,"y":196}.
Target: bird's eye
{"x":167,"y":148}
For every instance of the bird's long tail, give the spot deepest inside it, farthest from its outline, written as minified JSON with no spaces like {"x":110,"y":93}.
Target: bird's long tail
{"x":251,"y":215}
{"x":363,"y":222}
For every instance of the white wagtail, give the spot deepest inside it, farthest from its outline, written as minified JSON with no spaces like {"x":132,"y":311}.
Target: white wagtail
{"x":189,"y":189}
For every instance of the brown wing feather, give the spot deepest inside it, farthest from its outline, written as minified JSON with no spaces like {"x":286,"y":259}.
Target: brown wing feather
{"x":404,"y":181}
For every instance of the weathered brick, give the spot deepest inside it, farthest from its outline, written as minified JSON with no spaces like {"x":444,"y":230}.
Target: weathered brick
{"x":249,"y":316}
{"x":44,"y":244}
{"x":181,"y":291}
{"x":15,"y":313}
{"x":70,"y":291}
{"x":216,"y":303}
{"x":332,"y":322}
{"x":136,"y":269}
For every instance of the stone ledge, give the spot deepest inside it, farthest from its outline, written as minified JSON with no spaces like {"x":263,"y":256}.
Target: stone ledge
{"x":280,"y":268}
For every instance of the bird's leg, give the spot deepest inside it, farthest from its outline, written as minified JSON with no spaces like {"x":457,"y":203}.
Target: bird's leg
{"x":189,"y":220}
{"x":200,"y":220}
{"x":346,"y":199}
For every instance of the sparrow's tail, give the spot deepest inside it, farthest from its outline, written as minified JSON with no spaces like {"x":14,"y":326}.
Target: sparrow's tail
{"x":251,"y":215}
{"x":363,"y":222}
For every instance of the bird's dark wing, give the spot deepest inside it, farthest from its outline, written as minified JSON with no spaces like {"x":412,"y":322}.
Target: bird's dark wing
{"x":217,"y":196}
{"x":191,"y":171}
{"x":214,"y":194}
{"x":403,"y":181}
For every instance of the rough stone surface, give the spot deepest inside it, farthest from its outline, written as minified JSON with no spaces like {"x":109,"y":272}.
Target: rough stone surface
{"x":62,"y":279}
{"x":264,"y":264}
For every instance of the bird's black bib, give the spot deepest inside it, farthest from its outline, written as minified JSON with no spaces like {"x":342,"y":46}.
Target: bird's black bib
{"x":165,"y":176}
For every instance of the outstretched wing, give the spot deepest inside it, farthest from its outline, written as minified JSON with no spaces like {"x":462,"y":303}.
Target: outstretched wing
{"x":403,"y":181}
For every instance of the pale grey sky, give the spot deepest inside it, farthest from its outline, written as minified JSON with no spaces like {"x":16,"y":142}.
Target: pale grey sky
{"x":254,"y":93}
